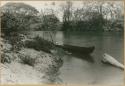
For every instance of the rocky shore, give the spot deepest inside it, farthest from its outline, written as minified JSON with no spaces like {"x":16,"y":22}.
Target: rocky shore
{"x":28,"y":66}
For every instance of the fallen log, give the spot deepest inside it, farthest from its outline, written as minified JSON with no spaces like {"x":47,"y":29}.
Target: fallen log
{"x":111,"y":60}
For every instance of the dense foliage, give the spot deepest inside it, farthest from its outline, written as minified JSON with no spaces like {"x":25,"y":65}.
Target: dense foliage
{"x":16,"y":22}
{"x":93,"y":16}
{"x":49,"y":23}
{"x":17,"y":17}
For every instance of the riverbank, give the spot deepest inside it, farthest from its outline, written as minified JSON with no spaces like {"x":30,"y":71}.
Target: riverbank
{"x":28,"y":65}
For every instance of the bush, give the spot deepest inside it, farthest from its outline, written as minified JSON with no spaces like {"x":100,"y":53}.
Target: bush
{"x":5,"y":58}
{"x":39,"y":43}
{"x":14,"y":22}
{"x":28,"y":56}
{"x":8,"y":57}
{"x":6,"y":54}
{"x":16,"y":40}
{"x":50,"y":23}
{"x":27,"y":60}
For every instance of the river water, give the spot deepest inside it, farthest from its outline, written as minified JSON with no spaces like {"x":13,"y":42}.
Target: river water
{"x":90,"y":70}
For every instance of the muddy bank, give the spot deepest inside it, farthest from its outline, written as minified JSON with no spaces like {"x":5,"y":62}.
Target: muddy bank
{"x":29,"y":66}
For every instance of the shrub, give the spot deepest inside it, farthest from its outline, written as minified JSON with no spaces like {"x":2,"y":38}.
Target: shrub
{"x":28,"y":56}
{"x":16,"y":40}
{"x":27,"y":60}
{"x":5,"y":58}
{"x":39,"y":43}
{"x":50,"y":23}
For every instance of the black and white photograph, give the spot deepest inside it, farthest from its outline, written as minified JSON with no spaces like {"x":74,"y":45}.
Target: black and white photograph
{"x":66,"y":42}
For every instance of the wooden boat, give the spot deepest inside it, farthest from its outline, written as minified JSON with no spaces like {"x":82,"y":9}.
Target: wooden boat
{"x":77,"y":49}
{"x":109,"y":59}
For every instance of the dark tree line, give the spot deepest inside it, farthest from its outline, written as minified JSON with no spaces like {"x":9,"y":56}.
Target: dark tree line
{"x":22,"y":17}
{"x":17,"y":17}
{"x":92,"y":16}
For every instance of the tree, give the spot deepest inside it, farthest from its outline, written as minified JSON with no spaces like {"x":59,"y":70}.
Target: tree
{"x":67,"y":15}
{"x":19,"y":8}
{"x":93,"y":15}
{"x":50,"y":22}
{"x":17,"y":17}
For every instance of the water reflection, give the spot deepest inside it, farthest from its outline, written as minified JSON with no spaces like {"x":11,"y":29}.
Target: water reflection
{"x":82,"y":69}
{"x":88,"y":58}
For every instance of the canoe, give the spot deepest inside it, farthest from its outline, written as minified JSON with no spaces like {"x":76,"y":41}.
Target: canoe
{"x":77,"y":49}
{"x":111,"y":60}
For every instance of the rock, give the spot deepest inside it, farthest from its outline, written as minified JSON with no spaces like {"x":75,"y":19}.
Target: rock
{"x":17,"y":73}
{"x":40,"y":61}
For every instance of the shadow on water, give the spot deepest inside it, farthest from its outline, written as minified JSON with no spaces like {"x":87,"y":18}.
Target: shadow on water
{"x":85,"y":57}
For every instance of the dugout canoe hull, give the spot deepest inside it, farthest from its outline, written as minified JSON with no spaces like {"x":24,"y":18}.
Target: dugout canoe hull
{"x":77,"y":49}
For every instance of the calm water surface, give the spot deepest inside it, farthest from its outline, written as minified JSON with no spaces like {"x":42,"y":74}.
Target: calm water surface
{"x":85,"y":70}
